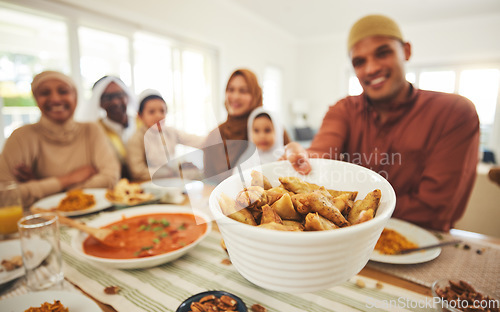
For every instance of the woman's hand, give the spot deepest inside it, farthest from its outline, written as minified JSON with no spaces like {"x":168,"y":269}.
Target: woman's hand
{"x":297,"y":156}
{"x":79,"y":175}
{"x":23,"y":173}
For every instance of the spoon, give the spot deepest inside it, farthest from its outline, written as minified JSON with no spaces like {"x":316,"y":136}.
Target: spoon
{"x":98,"y":233}
{"x":405,"y":251}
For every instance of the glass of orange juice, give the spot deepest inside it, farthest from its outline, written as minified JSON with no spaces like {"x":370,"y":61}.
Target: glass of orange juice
{"x":11,"y":209}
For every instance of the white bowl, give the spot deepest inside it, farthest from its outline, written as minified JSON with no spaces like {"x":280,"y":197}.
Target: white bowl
{"x":298,"y":262}
{"x":136,"y":263}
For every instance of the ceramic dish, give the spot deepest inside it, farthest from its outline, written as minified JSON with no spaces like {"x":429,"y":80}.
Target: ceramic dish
{"x":459,"y":306}
{"x":51,"y":202}
{"x":75,"y":302}
{"x":298,"y":262}
{"x":144,"y":262}
{"x":414,"y":234}
{"x":155,"y":199}
{"x":185,"y":306}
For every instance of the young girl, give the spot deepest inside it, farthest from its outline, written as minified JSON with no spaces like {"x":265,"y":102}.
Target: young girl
{"x":266,"y":136}
{"x":265,"y":132}
{"x":152,"y":147}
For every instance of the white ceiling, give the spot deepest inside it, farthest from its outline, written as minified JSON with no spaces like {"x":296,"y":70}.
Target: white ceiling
{"x":305,"y":19}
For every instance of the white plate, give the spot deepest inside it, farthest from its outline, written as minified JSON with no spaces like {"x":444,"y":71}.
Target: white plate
{"x":414,"y":234}
{"x":184,"y":184}
{"x":75,"y":302}
{"x":170,"y":190}
{"x":12,"y":248}
{"x":108,"y":218}
{"x":53,"y":201}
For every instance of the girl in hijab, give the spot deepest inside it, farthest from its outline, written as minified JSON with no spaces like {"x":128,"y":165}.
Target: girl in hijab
{"x":57,"y":153}
{"x":152,"y":146}
{"x":228,"y":142}
{"x":265,"y":134}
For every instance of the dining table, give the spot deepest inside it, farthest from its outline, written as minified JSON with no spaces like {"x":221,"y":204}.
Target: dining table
{"x":377,"y":287}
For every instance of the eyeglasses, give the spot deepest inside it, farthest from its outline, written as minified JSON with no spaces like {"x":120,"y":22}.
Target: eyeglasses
{"x":108,"y":97}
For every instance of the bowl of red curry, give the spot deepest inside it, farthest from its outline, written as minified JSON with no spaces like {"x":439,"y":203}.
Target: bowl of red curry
{"x":144,"y":237}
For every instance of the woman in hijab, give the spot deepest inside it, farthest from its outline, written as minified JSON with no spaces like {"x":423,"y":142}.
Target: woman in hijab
{"x":228,"y":141}
{"x":57,"y":153}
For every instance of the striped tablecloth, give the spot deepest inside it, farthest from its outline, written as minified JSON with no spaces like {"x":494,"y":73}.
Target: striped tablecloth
{"x":163,"y":288}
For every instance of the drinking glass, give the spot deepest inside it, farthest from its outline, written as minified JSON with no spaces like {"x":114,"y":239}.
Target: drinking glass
{"x":41,"y":251}
{"x":11,"y":209}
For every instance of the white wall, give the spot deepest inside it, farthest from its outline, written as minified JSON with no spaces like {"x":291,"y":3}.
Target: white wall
{"x":324,"y":65}
{"x":242,"y":39}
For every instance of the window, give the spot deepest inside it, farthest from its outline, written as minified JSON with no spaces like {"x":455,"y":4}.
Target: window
{"x":481,"y":87}
{"x":272,"y":89}
{"x":480,"y":84}
{"x":29,"y":44}
{"x":34,"y":40}
{"x":102,"y":53}
{"x":443,"y":81}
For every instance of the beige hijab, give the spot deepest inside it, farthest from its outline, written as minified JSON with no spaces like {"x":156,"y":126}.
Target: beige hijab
{"x":57,"y":133}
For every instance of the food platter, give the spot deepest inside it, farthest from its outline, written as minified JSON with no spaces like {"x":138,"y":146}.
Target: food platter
{"x":140,"y":262}
{"x":51,"y":202}
{"x":415,"y":234}
{"x":129,"y":194}
{"x":75,"y":302}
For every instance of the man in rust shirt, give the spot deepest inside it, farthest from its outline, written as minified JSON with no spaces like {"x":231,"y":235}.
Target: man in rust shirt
{"x":424,"y":143}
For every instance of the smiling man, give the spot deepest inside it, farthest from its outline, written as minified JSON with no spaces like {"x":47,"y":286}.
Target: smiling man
{"x":424,"y":143}
{"x":114,"y":100}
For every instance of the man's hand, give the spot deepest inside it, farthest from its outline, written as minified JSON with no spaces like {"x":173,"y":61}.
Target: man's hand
{"x":297,"y":156}
{"x":77,"y":176}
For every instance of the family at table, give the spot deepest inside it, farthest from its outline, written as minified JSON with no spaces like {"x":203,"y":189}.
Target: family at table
{"x":424,"y":143}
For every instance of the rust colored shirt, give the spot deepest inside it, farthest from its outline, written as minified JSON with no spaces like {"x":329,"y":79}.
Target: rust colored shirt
{"x":427,"y":149}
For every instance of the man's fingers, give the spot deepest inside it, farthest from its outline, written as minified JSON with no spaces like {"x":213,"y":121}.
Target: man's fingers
{"x":300,"y":163}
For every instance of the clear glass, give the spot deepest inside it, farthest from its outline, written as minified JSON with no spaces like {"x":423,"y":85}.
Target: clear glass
{"x":11,"y":208}
{"x":41,"y":251}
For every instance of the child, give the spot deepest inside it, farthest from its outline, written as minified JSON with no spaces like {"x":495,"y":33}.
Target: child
{"x":152,"y":146}
{"x":265,"y":135}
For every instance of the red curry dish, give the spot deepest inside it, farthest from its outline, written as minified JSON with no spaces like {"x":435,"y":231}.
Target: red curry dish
{"x":146,"y":236}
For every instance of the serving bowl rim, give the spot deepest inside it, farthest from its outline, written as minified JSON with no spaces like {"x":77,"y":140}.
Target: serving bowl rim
{"x":352,"y":229}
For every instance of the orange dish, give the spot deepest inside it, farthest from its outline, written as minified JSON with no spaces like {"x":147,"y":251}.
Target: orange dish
{"x":76,"y":200}
{"x":146,"y":235}
{"x":391,"y":242}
